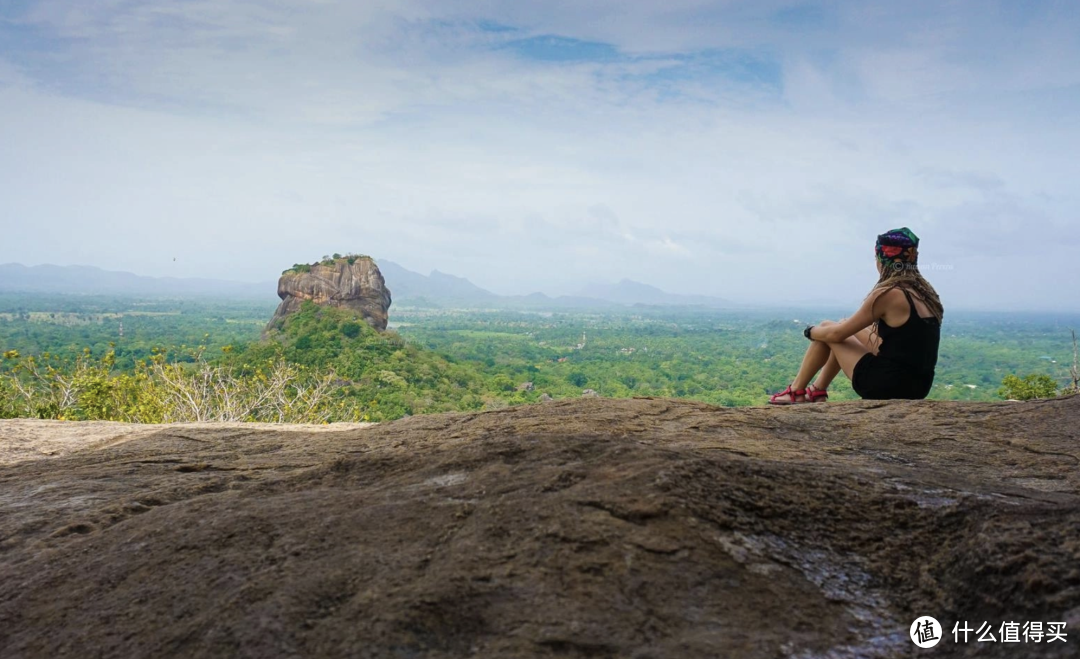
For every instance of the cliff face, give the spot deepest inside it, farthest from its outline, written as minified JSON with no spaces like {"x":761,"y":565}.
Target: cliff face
{"x":579,"y":528}
{"x":358,"y":286}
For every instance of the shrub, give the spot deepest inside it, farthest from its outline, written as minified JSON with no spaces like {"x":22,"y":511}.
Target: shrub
{"x":351,"y":329}
{"x":502,"y":382}
{"x":1027,"y":388}
{"x":161,"y":391}
{"x":298,"y":268}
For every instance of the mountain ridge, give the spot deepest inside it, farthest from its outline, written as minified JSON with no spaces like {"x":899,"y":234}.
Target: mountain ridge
{"x":437,"y":289}
{"x":630,"y":292}
{"x":451,"y":288}
{"x":89,"y":279}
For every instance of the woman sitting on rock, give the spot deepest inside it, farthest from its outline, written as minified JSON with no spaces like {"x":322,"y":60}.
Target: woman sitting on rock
{"x":889,"y":347}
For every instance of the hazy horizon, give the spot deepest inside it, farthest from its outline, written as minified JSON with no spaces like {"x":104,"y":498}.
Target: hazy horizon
{"x":806,"y":303}
{"x":749,"y":151}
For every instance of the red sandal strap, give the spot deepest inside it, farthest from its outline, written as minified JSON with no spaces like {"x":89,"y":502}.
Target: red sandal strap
{"x":778,"y":394}
{"x":789,"y":392}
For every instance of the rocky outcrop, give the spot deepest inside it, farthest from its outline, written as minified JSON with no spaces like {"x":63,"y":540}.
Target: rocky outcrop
{"x":585,"y":527}
{"x":349,"y":283}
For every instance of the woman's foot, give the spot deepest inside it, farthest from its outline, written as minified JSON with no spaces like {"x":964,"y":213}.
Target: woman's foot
{"x":815,"y":395}
{"x":788,"y":397}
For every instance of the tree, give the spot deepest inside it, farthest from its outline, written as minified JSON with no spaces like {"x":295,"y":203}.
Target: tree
{"x":1027,"y":388}
{"x":351,"y":329}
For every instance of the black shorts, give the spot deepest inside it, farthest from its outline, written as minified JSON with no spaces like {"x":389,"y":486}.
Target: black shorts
{"x":879,"y":379}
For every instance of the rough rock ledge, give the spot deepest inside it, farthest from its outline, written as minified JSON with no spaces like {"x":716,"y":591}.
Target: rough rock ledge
{"x":578,"y":528}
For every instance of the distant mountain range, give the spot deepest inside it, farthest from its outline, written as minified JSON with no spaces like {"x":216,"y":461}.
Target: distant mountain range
{"x":440,"y":289}
{"x":84,"y":280}
{"x":410,"y":288}
{"x":631,"y":293}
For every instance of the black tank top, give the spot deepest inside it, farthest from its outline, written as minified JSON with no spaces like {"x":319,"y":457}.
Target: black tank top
{"x":913,"y":345}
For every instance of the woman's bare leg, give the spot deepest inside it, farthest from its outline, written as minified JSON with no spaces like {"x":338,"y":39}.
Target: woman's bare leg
{"x":848,"y":353}
{"x":828,"y":372}
{"x":817,"y":356}
{"x":832,"y":367}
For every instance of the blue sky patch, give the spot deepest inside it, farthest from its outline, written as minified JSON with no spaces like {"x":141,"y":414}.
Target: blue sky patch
{"x":34,"y":50}
{"x":494,"y":26}
{"x":685,"y":76}
{"x":552,"y":48}
{"x":10,"y":9}
{"x":737,"y":65}
{"x":714,"y":66}
{"x":801,"y":16}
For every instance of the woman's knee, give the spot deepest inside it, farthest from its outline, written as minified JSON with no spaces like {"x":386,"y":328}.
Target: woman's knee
{"x":826,"y":323}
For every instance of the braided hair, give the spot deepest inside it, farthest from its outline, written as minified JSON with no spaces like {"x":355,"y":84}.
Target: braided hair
{"x":897,"y":251}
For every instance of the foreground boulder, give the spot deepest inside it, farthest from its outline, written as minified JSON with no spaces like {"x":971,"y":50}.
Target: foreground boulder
{"x":576,"y":528}
{"x":350,"y":283}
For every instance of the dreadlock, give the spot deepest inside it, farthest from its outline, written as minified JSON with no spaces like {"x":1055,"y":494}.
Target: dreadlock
{"x":898,"y":253}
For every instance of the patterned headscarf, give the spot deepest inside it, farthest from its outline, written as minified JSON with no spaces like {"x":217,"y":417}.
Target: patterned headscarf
{"x":897,"y":246}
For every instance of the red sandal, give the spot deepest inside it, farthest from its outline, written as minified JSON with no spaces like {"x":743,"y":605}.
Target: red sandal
{"x":816,"y":395}
{"x":776,"y":399}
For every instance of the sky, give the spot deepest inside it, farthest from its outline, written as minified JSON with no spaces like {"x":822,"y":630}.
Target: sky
{"x":747,"y":150}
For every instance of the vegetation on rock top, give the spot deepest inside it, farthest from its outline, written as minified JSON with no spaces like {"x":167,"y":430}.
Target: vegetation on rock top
{"x":300,"y":268}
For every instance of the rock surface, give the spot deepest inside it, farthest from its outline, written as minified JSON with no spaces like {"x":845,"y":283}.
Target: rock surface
{"x":575,"y":528}
{"x":358,"y":286}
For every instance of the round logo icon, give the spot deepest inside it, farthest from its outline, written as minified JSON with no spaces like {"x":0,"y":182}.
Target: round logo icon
{"x":925,"y":632}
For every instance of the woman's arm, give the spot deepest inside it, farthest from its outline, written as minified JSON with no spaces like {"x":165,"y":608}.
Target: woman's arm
{"x":859,"y":320}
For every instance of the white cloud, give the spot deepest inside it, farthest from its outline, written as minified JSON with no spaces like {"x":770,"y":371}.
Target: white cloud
{"x":247,"y":136}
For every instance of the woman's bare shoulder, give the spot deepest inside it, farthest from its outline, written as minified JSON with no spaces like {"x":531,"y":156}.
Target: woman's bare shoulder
{"x":887,"y":299}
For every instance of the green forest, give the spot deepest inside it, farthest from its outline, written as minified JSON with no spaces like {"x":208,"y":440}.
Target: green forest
{"x":146,"y":360}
